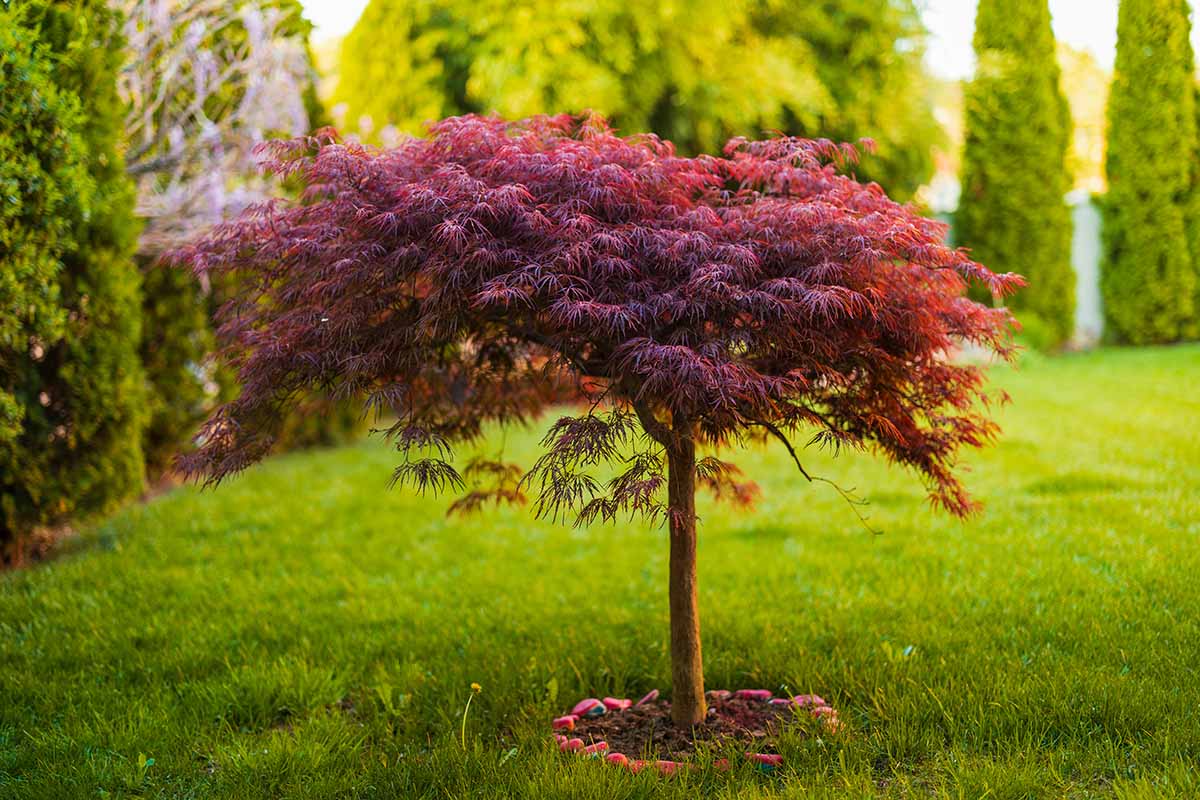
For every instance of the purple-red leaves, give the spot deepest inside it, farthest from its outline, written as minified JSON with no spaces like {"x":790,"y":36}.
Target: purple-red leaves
{"x":497,"y":267}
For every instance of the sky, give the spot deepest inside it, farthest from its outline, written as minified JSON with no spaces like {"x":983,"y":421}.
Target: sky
{"x":1084,"y":24}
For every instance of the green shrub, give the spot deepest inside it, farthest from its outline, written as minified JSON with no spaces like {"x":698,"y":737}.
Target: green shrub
{"x":321,"y":422}
{"x":1148,"y":280}
{"x":1013,"y":213}
{"x":78,"y":448}
{"x":185,"y":387}
{"x":44,"y":191}
{"x":181,"y":390}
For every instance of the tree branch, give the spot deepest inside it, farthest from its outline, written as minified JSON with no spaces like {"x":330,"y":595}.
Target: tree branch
{"x":778,"y":434}
{"x":847,"y":494}
{"x":658,"y":431}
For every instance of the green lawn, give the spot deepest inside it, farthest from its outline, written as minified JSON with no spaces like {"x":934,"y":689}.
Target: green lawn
{"x":304,"y":632}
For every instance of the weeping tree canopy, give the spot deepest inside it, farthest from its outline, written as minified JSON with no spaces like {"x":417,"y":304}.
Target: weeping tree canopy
{"x":495,"y":268}
{"x":696,"y":73}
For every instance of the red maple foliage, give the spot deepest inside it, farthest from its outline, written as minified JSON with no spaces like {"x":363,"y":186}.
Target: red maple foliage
{"x":494,"y":268}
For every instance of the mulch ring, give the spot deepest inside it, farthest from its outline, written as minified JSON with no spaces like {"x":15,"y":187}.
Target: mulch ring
{"x":618,"y":730}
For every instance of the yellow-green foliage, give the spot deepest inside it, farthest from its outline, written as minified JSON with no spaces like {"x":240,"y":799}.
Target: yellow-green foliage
{"x":1013,"y":214}
{"x":1149,"y":278}
{"x":696,"y":73}
{"x":78,"y":385}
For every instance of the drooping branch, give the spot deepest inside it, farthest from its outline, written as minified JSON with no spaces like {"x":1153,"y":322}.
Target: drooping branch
{"x":846,"y":494}
{"x":778,"y":434}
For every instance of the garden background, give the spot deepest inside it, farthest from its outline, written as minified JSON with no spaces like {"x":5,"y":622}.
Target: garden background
{"x":305,"y":632}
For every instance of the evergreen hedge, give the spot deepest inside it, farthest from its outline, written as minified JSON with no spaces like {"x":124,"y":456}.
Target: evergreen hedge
{"x":44,"y":190}
{"x":1148,"y":280}
{"x":1013,"y":214}
{"x":180,"y":387}
{"x":185,"y":386}
{"x":74,"y":376}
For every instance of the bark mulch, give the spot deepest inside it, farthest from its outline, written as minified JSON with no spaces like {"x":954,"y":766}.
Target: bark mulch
{"x":641,"y":734}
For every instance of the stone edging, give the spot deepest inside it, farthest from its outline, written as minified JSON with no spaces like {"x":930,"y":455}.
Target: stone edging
{"x":591,"y":707}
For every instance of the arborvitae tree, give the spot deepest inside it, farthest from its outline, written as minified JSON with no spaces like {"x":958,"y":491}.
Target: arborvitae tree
{"x":1013,"y":213}
{"x":79,"y":445}
{"x":180,"y":389}
{"x":1192,"y":330}
{"x":40,"y":163}
{"x":494,"y":269}
{"x":697,"y":73}
{"x":1148,"y":280}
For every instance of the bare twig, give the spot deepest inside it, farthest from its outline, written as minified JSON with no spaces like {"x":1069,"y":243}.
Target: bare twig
{"x":848,"y":495}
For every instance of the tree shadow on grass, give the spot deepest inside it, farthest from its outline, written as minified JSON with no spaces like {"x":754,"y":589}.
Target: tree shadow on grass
{"x":1071,"y":483}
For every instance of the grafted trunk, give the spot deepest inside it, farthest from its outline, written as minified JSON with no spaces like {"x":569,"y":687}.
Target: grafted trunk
{"x":687,"y":674}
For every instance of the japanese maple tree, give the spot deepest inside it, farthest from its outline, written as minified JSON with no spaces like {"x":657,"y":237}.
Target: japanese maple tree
{"x":494,"y":269}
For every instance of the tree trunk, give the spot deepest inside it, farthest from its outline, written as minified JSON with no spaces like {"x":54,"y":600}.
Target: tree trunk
{"x":687,"y":674}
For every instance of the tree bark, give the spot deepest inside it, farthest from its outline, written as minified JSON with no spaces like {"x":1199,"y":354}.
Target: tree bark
{"x":687,"y":674}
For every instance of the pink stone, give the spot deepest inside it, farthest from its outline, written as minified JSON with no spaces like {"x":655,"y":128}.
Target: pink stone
{"x":595,"y":749}
{"x":719,"y":694}
{"x":637,"y":765}
{"x":808,"y":700}
{"x":614,"y":704}
{"x":649,"y":698}
{"x":560,"y":740}
{"x":617,"y":758}
{"x":722,"y":764}
{"x":667,"y":767}
{"x":571,"y":744}
{"x":566,"y":723}
{"x":823,"y":711}
{"x":590,"y":707}
{"x":753,"y":694}
{"x":782,"y":701}
{"x":767,"y":759}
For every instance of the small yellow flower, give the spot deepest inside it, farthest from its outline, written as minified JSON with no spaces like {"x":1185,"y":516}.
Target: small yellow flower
{"x":475,"y":689}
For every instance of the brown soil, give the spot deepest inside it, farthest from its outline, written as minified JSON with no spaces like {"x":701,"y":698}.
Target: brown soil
{"x":35,"y":547}
{"x":647,"y":731}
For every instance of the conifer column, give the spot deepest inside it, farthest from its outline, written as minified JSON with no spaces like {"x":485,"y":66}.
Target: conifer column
{"x":1013,"y":213}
